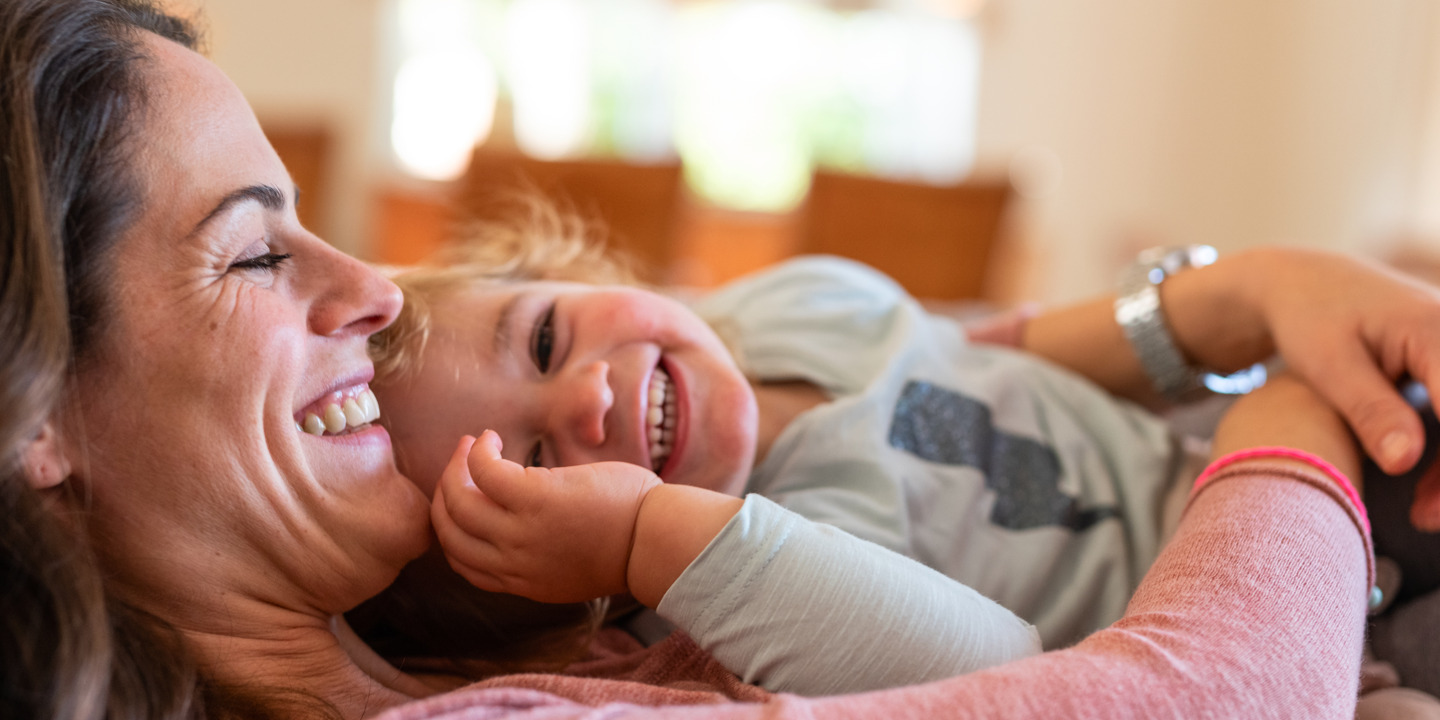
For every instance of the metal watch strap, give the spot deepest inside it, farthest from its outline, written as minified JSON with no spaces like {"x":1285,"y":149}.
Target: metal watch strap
{"x":1138,"y":312}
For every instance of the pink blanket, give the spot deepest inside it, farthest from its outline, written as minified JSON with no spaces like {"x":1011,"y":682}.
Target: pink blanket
{"x":1255,"y":609}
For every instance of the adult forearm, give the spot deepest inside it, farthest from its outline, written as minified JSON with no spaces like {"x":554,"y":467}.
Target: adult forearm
{"x":1213,"y":314}
{"x":1255,"y":609}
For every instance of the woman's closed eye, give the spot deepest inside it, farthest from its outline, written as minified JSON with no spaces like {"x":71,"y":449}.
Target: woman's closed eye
{"x":263,"y":261}
{"x":542,"y":339}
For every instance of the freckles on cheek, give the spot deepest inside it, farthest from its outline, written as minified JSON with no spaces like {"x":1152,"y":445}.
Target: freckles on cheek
{"x":232,"y":335}
{"x":175,"y":321}
{"x":242,"y":315}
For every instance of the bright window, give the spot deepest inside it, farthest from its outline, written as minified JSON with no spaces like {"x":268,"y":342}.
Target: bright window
{"x":752,"y":95}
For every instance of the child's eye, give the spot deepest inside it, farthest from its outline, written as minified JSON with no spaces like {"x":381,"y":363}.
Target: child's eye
{"x":533,"y":459}
{"x":542,"y":341}
{"x":263,"y":261}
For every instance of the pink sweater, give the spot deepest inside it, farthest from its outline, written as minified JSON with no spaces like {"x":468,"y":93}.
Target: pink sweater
{"x":1256,"y":608}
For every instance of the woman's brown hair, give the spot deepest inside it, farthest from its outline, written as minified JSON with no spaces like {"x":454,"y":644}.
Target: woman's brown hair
{"x":71,"y":93}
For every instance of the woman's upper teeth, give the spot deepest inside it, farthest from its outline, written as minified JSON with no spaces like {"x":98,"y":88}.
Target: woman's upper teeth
{"x":660,"y":418}
{"x":345,"y":410}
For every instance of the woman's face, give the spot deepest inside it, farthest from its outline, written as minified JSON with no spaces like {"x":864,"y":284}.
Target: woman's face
{"x":570,"y":374}
{"x":227,"y":325}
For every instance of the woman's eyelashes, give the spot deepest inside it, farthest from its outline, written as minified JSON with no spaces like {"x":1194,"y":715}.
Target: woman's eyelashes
{"x":264,"y":261}
{"x":542,"y":339}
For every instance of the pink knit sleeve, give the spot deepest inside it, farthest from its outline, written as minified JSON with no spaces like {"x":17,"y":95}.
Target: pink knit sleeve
{"x":1256,"y":608}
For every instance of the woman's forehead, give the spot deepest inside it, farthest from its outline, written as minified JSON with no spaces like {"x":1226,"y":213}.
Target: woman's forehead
{"x":199,"y":142}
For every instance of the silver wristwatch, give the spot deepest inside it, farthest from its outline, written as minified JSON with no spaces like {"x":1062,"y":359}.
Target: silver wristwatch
{"x":1138,"y":311}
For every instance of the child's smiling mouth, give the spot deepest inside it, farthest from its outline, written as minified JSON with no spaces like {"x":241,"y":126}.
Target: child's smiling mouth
{"x":660,"y":418}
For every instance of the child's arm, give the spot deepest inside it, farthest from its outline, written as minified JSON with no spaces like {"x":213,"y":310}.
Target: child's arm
{"x":803,"y":607}
{"x":1347,"y":327}
{"x":785,"y":603}
{"x":569,"y":534}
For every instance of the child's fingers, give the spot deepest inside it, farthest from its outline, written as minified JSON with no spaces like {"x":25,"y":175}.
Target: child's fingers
{"x":457,"y":470}
{"x":468,"y":554}
{"x":488,"y":445}
{"x":461,"y":498}
{"x":503,"y":482}
{"x":480,"y":579}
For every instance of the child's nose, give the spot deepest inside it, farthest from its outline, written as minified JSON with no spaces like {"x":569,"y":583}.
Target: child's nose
{"x":583,"y":404}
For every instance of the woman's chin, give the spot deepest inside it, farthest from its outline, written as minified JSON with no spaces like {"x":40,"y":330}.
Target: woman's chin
{"x":358,"y":469}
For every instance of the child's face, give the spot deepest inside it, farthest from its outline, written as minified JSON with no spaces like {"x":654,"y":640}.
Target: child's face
{"x":570,"y":374}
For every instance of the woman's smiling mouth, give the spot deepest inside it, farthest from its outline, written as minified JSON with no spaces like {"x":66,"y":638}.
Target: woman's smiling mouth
{"x":340,"y":413}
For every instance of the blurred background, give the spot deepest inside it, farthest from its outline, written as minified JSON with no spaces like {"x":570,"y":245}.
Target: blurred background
{"x":993,"y":149}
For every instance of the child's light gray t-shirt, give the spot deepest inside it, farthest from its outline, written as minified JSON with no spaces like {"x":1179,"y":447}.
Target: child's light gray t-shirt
{"x":1017,"y":478}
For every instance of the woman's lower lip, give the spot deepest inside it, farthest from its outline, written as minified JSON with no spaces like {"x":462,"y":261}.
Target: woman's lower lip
{"x":374,"y":434}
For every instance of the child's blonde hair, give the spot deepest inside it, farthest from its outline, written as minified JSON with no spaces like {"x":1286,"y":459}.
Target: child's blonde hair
{"x":535,"y":241}
{"x":430,"y":611}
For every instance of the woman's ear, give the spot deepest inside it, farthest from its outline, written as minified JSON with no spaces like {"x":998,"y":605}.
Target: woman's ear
{"x":44,"y":459}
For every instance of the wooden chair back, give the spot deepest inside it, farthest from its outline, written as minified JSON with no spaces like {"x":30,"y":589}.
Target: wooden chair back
{"x":936,"y":241}
{"x":306,"y":150}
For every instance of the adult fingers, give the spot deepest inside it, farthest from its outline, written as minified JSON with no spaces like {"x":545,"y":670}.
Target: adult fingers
{"x":1388,"y":428}
{"x":1003,"y":328}
{"x":1425,"y":510}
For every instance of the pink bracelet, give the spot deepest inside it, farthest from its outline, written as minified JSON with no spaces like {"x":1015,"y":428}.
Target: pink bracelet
{"x":1311,"y":459}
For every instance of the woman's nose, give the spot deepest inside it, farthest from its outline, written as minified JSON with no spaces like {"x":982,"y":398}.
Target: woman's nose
{"x":582,"y":405}
{"x":353,"y":298}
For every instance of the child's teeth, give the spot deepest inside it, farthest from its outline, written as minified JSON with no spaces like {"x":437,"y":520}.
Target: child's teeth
{"x":314,"y":425}
{"x":660,"y":428}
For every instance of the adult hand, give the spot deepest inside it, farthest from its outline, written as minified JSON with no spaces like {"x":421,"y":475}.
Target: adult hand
{"x":1349,"y":328}
{"x":1425,"y":511}
{"x":549,"y":534}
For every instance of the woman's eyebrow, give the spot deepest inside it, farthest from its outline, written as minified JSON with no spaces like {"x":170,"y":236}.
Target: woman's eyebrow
{"x":269,"y":197}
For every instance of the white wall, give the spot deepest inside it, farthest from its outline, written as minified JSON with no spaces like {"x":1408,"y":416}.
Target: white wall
{"x":304,"y":61}
{"x":1231,"y":122}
